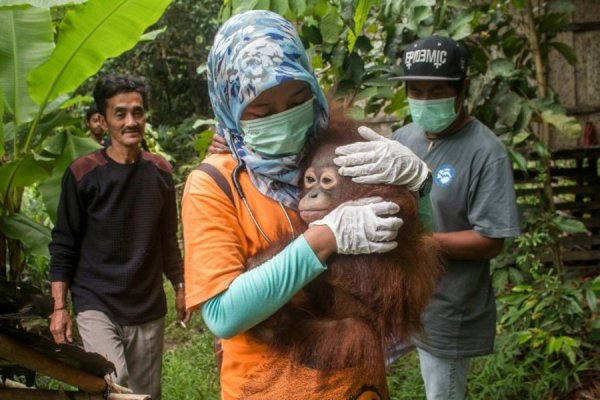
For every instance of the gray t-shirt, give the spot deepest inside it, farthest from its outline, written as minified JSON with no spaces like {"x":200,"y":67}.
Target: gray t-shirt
{"x":472,"y":189}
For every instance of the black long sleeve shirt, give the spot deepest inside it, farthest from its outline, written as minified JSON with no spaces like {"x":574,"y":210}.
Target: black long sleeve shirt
{"x":115,"y":236}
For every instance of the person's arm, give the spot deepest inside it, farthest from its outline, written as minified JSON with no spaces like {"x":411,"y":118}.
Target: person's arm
{"x":216,"y":276}
{"x":66,"y":235}
{"x":183,"y":314}
{"x":492,"y":213}
{"x":173,"y":263}
{"x":257,"y":294}
{"x":64,"y":255}
{"x":355,"y":227}
{"x":468,"y":245}
{"x":61,"y":325}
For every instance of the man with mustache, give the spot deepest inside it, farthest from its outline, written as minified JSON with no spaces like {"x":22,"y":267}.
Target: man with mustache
{"x":114,"y":238}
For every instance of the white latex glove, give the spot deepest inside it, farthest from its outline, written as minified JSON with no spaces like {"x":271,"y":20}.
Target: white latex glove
{"x":380,"y":160}
{"x":359,"y":228}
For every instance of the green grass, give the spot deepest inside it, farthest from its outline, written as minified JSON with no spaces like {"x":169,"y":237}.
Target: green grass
{"x":189,"y":370}
{"x":405,"y":381}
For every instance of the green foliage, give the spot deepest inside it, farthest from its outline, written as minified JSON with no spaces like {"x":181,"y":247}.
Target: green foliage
{"x":26,"y":40}
{"x":41,"y":3}
{"x":545,"y":340}
{"x":354,"y":44}
{"x":2,"y":150}
{"x":567,"y":125}
{"x":172,"y":61}
{"x":17,"y":226}
{"x":512,"y":373}
{"x":186,"y":144}
{"x":503,"y":91}
{"x":64,"y":148}
{"x":189,"y":371}
{"x":83,"y":35}
{"x":547,"y":324}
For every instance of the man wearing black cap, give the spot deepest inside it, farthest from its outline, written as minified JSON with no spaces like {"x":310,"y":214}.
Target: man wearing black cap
{"x":474,"y":208}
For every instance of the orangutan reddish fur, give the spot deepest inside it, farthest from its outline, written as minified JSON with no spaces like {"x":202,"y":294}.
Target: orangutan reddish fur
{"x":351,"y":313}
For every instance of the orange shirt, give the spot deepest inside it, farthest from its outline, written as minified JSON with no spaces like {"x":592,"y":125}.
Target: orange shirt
{"x":220,"y":236}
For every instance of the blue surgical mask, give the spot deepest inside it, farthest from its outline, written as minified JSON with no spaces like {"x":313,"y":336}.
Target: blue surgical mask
{"x":280,"y":134}
{"x":433,"y":115}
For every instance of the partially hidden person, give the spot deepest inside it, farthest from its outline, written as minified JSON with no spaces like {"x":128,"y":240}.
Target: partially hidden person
{"x":93,"y":122}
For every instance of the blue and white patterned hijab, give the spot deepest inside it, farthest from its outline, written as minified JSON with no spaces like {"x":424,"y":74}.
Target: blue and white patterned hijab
{"x":252,"y":52}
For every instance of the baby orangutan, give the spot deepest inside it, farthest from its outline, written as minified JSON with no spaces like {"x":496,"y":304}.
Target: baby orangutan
{"x":350,"y":314}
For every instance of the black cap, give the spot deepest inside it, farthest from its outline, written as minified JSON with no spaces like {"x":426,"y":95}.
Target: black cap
{"x":434,"y":58}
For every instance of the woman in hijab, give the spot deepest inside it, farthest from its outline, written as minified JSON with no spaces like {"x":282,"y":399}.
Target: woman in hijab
{"x":270,"y":108}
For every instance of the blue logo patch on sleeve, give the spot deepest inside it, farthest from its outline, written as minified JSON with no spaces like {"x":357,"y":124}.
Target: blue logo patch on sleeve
{"x":444,"y":175}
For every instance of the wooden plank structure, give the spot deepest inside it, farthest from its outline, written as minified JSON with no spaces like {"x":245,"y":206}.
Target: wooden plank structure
{"x":90,"y":385}
{"x":576,"y":188}
{"x":24,"y":354}
{"x":578,"y":86}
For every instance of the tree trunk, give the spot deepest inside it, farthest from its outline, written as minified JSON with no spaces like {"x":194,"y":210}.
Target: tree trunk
{"x":3,"y":256}
{"x":19,"y":354}
{"x":544,"y":130}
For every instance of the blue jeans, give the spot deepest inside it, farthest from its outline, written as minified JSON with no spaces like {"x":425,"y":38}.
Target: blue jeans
{"x":444,"y":378}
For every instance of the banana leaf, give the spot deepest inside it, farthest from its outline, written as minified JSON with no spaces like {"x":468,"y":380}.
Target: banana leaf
{"x":39,"y":3}
{"x":21,"y":172}
{"x":89,"y":35}
{"x":26,"y":40}
{"x":35,"y":237}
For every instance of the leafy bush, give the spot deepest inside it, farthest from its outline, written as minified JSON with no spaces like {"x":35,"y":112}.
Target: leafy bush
{"x":548,"y":336}
{"x":186,"y":144}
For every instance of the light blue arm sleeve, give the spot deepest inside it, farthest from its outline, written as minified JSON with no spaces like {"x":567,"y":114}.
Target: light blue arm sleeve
{"x":257,"y":294}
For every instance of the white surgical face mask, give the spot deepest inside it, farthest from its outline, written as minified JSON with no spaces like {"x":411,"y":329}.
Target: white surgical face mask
{"x":433,"y":115}
{"x":280,"y":134}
